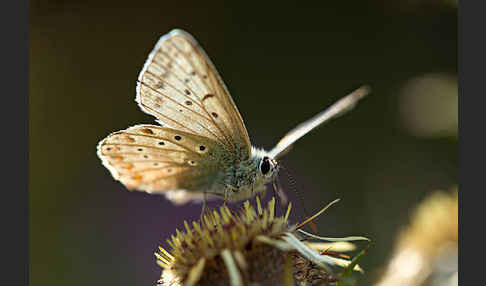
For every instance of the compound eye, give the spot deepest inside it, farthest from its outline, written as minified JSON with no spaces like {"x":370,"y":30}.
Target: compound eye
{"x":265,"y":166}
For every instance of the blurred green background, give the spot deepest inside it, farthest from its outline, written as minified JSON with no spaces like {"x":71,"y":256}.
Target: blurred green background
{"x":282,"y":63}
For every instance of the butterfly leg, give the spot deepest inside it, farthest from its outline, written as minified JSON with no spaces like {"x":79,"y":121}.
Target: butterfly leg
{"x":261,"y":191}
{"x":225,"y":199}
{"x":277,"y":188}
{"x":203,"y":210}
{"x":231,"y":188}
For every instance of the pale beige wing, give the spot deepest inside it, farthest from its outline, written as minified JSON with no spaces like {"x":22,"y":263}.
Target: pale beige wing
{"x":158,"y":159}
{"x":342,"y":106}
{"x":181,"y":87}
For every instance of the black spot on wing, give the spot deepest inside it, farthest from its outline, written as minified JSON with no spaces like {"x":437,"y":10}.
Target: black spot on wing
{"x":207,"y":96}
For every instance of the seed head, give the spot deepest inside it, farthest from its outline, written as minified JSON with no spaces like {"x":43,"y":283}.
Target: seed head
{"x":253,"y":247}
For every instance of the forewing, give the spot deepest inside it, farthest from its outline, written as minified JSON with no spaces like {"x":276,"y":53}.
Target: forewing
{"x":181,"y":88}
{"x":159,"y":159}
{"x":342,"y":106}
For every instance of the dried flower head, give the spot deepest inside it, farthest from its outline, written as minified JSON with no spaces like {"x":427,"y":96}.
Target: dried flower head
{"x":253,"y":247}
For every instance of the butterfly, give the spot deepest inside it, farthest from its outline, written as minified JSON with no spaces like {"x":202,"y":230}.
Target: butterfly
{"x":201,"y":147}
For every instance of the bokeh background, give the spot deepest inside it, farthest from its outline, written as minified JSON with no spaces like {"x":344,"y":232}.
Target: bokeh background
{"x":283,"y":63}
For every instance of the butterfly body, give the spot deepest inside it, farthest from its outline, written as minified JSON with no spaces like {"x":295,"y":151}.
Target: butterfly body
{"x":201,"y":147}
{"x":246,"y":178}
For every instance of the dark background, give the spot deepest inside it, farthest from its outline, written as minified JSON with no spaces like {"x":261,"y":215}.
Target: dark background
{"x":282,"y":64}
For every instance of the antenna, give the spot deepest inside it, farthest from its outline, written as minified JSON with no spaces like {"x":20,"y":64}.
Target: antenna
{"x":293,"y":186}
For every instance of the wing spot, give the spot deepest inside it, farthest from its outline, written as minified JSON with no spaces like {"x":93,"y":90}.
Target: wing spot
{"x":202,"y":148}
{"x":193,"y":73}
{"x":187,"y":92}
{"x":180,"y":110}
{"x":119,"y":158}
{"x":207,"y":96}
{"x":159,"y":85}
{"x":177,"y":137}
{"x":214,"y":114}
{"x":128,"y":166}
{"x":145,"y":156}
{"x":188,"y":102}
{"x":147,"y":131}
{"x":108,"y":148}
{"x":130,"y":139}
{"x":161,"y":143}
{"x":169,"y":170}
{"x":205,"y":76}
{"x":140,"y":149}
{"x":156,"y":164}
{"x":192,"y":163}
{"x":137,"y":177}
{"x":186,"y":80}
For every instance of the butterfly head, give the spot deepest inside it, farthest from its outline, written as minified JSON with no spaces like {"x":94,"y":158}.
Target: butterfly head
{"x":268,"y":168}
{"x":265,"y":166}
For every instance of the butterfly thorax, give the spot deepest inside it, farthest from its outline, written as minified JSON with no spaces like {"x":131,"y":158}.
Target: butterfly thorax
{"x":245,"y":179}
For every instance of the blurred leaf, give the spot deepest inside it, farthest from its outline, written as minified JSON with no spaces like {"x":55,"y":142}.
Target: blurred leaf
{"x":344,"y":279}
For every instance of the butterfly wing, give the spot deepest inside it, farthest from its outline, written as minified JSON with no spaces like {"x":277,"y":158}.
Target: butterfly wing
{"x":202,"y":132}
{"x":181,"y":87}
{"x":342,"y":106}
{"x":158,"y":159}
